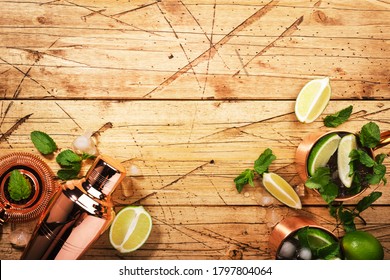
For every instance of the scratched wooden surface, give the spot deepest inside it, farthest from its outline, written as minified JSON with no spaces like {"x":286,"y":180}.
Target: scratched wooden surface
{"x":188,"y":94}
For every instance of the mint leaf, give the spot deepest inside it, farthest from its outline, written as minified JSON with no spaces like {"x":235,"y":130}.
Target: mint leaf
{"x":87,"y":156}
{"x":264,"y":161}
{"x":378,"y":175}
{"x":43,"y":142}
{"x":338,"y":118}
{"x":347,"y":219}
{"x":71,"y":163}
{"x":68,"y":158}
{"x":370,"y":135}
{"x":18,"y":187}
{"x":362,"y":157}
{"x":380,"y":158}
{"x":302,"y":235}
{"x":366,"y":201}
{"x":329,"y":252}
{"x":69,"y":173}
{"x":244,"y":178}
{"x":329,"y":192}
{"x":320,"y":178}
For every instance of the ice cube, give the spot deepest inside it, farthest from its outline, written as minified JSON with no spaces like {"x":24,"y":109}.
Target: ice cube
{"x":287,"y":250}
{"x":304,"y":253}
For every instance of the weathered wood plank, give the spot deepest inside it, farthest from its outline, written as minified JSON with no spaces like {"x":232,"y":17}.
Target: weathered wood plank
{"x":213,"y":232}
{"x":185,"y":152}
{"x":80,"y":50}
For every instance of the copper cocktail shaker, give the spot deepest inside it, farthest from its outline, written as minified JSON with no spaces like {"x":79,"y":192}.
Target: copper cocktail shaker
{"x":77,"y":215}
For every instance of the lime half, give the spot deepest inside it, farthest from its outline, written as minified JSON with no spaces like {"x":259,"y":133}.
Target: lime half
{"x":322,"y":151}
{"x":130,"y":229}
{"x":346,"y":145}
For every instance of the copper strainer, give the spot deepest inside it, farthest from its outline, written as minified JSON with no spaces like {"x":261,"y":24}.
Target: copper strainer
{"x":43,"y":187}
{"x":304,"y":148}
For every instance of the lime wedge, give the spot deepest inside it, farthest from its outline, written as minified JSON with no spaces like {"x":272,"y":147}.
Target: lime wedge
{"x":281,"y":190}
{"x":346,"y":145}
{"x":130,"y":229}
{"x":318,"y":238}
{"x":312,"y":100}
{"x":322,"y":151}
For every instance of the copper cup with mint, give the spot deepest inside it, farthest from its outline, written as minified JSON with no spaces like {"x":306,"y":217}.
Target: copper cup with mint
{"x":340,"y":165}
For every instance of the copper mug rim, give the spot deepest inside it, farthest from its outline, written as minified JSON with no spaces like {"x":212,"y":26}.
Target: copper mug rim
{"x":289,"y":226}
{"x":304,"y":148}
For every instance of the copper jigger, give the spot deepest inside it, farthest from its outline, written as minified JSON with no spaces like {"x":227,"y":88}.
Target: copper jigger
{"x":290,"y":226}
{"x":304,"y":148}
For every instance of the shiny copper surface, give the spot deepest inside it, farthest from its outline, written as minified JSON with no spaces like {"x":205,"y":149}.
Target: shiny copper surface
{"x":77,"y":215}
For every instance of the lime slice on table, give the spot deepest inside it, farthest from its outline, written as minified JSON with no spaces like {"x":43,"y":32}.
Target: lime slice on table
{"x":322,"y":151}
{"x":312,"y":100}
{"x":281,"y":190}
{"x":130,"y":229}
{"x":346,"y":145}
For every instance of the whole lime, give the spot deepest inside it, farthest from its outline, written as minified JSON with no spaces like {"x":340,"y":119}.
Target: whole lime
{"x":361,"y":245}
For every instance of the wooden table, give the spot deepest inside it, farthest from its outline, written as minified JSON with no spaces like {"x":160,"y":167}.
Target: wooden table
{"x":187,"y":94}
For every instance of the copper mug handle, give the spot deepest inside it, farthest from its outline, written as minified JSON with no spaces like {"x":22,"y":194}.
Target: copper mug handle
{"x":384,"y":140}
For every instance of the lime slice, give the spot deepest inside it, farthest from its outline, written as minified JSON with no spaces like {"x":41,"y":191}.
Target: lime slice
{"x":322,"y":151}
{"x":281,"y":190}
{"x":312,"y":100}
{"x":130,"y":229}
{"x":318,"y":238}
{"x":346,"y":145}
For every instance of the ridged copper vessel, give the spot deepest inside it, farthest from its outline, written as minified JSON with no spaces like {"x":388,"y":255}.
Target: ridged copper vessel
{"x":304,"y":148}
{"x":290,"y":226}
{"x":42,"y":182}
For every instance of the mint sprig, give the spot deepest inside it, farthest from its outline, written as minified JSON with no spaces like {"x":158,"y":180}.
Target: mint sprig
{"x":69,"y":161}
{"x":246,"y":177}
{"x":18,"y":187}
{"x":260,"y":166}
{"x":346,"y":216}
{"x":378,"y":168}
{"x":321,"y":181}
{"x":338,"y":118}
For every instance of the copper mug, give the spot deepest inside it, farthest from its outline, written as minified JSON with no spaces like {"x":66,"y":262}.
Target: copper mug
{"x":288,"y":227}
{"x":304,"y":148}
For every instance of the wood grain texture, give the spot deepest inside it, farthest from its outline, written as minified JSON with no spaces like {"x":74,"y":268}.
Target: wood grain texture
{"x":182,"y":50}
{"x":191,"y":92}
